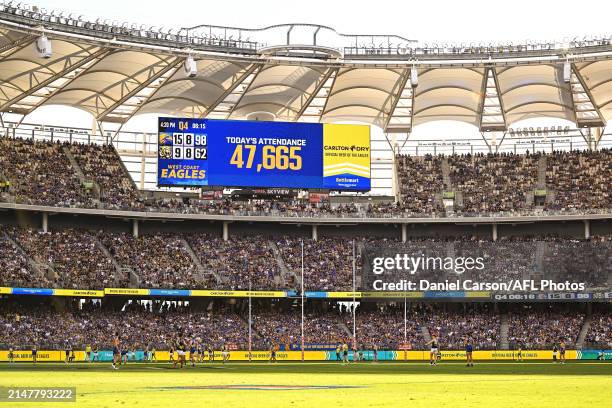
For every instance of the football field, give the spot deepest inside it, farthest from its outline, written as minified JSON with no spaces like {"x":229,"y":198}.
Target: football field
{"x":325,"y":384}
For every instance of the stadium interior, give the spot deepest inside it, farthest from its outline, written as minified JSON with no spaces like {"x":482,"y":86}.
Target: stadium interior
{"x":88,"y":238}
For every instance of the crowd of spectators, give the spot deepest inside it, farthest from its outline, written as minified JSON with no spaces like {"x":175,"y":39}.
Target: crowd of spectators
{"x":420,"y":184}
{"x":600,"y":330}
{"x":81,"y":259}
{"x":328,"y":262}
{"x":14,"y":268}
{"x":494,"y":183}
{"x":538,"y":327}
{"x":580,"y":181}
{"x":477,"y":323}
{"x":159,"y":323}
{"x":238,"y":261}
{"x":40,"y":172}
{"x":284,"y":328}
{"x":101,"y":164}
{"x":139,"y":326}
{"x":578,"y":261}
{"x":385,"y":328}
{"x":159,"y":260}
{"x":71,"y":259}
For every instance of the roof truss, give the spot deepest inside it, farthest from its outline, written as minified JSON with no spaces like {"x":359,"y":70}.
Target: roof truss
{"x":586,"y":110}
{"x":399,"y":119}
{"x":120,"y":110}
{"x":490,"y":109}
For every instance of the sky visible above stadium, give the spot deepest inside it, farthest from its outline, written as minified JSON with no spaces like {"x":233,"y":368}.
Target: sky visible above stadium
{"x":442,"y":20}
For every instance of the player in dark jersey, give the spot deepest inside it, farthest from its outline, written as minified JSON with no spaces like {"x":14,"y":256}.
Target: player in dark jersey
{"x":519,"y":353}
{"x":211,"y":354}
{"x":562,"y":351}
{"x":68,"y":358}
{"x":124,"y":355}
{"x":555,"y":351}
{"x":116,"y":352}
{"x":11,"y":355}
{"x":34,"y":353}
{"x":192,"y":353}
{"x":273,"y":353}
{"x":172,"y":353}
{"x":469,"y":348}
{"x":181,"y":351}
{"x":200,"y":351}
{"x":433,"y":352}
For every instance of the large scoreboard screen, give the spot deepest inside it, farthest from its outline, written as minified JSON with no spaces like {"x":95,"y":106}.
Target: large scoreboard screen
{"x":235,"y":153}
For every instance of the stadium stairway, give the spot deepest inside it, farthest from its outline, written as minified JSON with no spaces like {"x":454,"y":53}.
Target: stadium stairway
{"x":287,"y":275}
{"x":445,"y":167}
{"x":201,"y":270}
{"x":346,"y":329}
{"x":425,"y":333}
{"x":542,"y":165}
{"x":79,"y":172}
{"x":36,"y":264}
{"x":129,"y":175}
{"x":123,"y":274}
{"x":35,"y":267}
{"x":396,"y":180}
{"x":586,"y":325}
{"x":448,"y":186}
{"x":504,"y":330}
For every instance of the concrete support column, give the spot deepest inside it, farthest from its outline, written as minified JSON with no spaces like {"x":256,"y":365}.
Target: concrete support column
{"x":587,"y":229}
{"x":315,"y":233}
{"x":45,"y":222}
{"x":494,"y":232}
{"x":135,"y":228}
{"x":225,"y":230}
{"x":404,"y":232}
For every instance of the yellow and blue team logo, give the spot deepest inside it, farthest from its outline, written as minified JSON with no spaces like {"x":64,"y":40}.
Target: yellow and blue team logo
{"x":165,"y":139}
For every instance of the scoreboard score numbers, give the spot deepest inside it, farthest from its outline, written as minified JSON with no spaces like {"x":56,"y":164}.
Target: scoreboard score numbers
{"x":232,"y":153}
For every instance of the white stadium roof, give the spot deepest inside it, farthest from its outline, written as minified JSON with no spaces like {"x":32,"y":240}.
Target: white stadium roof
{"x":296,"y":72}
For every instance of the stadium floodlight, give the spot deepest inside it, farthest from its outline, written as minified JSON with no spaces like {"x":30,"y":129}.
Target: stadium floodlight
{"x":567,"y":72}
{"x":414,"y":77}
{"x":43,"y":47}
{"x":190,"y":67}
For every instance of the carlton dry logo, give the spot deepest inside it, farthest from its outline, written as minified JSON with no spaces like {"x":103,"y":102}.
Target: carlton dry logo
{"x":346,"y":156}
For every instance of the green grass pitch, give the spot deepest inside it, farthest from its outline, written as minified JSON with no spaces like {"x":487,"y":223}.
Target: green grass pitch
{"x":325,"y":384}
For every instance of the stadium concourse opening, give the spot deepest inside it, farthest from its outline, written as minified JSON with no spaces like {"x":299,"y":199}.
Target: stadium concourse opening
{"x":266,"y":210}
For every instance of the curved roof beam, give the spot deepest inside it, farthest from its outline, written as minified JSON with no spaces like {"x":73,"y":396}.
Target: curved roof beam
{"x":196,"y":79}
{"x":253,"y":88}
{"x":442,"y":105}
{"x":182,"y":98}
{"x":280,"y":105}
{"x":436,"y":88}
{"x":516,"y":87}
{"x":600,"y":83}
{"x":354,"y":87}
{"x":357,"y":105}
{"x":570,"y":108}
